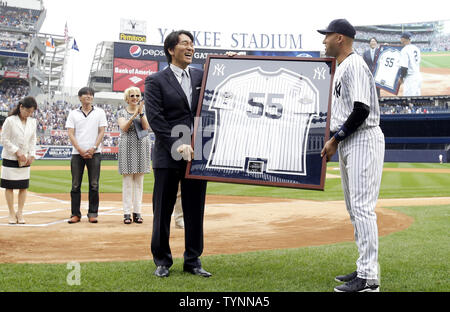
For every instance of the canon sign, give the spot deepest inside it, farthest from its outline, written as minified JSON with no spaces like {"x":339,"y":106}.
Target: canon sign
{"x":136,"y":51}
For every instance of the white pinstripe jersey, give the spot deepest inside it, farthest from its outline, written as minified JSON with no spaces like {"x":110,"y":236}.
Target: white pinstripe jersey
{"x":263,"y":115}
{"x":410,"y":58}
{"x":353,"y":82}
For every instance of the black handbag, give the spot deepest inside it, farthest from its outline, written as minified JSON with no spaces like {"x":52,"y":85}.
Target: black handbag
{"x":141,"y":133}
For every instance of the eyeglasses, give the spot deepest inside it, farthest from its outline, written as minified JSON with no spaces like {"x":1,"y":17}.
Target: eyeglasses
{"x":135,"y":95}
{"x":186,"y":43}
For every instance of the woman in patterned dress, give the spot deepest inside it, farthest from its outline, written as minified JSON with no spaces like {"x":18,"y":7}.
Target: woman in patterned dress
{"x":134,"y":154}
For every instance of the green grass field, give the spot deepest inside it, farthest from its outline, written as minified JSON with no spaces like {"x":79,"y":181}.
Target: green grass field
{"x":394,"y":184}
{"x":435,"y":59}
{"x":416,"y":259}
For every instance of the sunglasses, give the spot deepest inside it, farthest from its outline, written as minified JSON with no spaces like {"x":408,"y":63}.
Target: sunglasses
{"x":135,"y":95}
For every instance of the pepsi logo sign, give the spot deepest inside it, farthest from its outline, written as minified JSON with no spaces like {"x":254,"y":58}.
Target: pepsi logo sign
{"x":135,"y":51}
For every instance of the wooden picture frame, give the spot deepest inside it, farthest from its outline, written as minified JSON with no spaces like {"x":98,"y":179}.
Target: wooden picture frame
{"x":263,"y":120}
{"x":387,"y":68}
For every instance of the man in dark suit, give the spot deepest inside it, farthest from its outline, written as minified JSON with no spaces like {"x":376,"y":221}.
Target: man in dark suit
{"x":171,"y":98}
{"x":369,"y":57}
{"x":369,"y":54}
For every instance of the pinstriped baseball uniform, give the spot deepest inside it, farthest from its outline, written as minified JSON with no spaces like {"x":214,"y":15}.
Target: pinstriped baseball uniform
{"x":410,"y":58}
{"x":275,"y":109}
{"x":361,"y":157}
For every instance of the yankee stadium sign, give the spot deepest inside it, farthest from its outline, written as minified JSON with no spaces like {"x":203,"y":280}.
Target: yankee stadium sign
{"x":239,"y":40}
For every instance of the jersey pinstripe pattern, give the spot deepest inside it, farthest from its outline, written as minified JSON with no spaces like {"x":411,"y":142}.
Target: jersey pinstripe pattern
{"x":361,"y":158}
{"x":353,"y":82}
{"x":266,"y":114}
{"x":411,"y":58}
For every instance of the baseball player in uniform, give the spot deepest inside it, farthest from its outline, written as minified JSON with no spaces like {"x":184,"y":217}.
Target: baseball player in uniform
{"x":357,"y":137}
{"x":410,"y":67}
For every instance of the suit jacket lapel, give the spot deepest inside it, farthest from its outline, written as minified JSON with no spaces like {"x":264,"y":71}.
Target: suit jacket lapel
{"x":175,"y":84}
{"x":195,"y":91}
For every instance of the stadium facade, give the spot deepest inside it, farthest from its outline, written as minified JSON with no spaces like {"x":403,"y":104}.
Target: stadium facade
{"x":34,"y":63}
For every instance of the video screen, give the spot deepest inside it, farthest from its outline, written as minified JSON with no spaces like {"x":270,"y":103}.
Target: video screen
{"x":423,"y":49}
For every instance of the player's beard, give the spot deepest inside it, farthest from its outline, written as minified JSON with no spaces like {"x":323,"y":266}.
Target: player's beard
{"x":330,"y":51}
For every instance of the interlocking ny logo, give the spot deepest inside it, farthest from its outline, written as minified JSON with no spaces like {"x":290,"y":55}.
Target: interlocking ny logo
{"x":219,"y":69}
{"x":319,"y":73}
{"x":337,"y":89}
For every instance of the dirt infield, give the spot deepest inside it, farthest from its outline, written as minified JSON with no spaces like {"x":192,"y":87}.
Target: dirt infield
{"x":435,"y":81}
{"x":233,"y":224}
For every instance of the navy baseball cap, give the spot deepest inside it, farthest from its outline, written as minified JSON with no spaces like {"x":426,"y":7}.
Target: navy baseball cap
{"x":406,"y":35}
{"x":340,"y":26}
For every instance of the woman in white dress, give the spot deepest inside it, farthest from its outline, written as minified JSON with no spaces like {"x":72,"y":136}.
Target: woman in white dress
{"x":19,"y":143}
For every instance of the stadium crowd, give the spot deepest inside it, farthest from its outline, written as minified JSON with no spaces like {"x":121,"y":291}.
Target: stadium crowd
{"x":13,"y":45}
{"x":441,"y":43}
{"x":53,"y":116}
{"x":11,"y":91}
{"x":392,"y":37}
{"x":18,"y":18}
{"x":426,"y":41}
{"x":418,"y":106}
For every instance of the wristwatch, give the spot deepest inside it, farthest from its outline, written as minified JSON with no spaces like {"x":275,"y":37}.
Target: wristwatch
{"x":141,"y":115}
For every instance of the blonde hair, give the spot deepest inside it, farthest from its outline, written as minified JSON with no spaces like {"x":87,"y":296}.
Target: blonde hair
{"x":126,"y":93}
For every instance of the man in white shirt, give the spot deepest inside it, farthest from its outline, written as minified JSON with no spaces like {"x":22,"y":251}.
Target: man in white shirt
{"x":86,"y":127}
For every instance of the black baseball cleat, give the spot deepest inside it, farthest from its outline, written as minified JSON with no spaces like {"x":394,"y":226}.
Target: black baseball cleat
{"x":358,"y":285}
{"x":345,"y":278}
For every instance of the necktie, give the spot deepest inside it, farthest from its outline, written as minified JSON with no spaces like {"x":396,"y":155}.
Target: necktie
{"x":185,"y":86}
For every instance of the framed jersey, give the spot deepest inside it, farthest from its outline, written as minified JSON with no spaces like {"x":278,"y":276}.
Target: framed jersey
{"x":263,"y":120}
{"x":387,"y":68}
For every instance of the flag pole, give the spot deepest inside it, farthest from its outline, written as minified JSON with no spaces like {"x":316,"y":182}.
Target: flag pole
{"x":66,"y":39}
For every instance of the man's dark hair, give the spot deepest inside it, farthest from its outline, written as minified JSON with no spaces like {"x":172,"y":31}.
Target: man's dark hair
{"x":27,"y":102}
{"x":373,"y":39}
{"x":86,"y":90}
{"x":172,"y":40}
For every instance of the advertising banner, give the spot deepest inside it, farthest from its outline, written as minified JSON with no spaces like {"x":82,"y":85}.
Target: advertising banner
{"x":129,"y":73}
{"x":134,"y":62}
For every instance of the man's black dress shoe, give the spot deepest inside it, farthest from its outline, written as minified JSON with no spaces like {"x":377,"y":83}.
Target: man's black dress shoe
{"x":198,"y":271}
{"x":162,"y":271}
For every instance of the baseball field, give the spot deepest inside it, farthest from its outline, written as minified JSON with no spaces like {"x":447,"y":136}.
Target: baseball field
{"x":257,"y":239}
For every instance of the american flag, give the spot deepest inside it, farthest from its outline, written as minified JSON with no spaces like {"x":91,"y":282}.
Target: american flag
{"x":66,"y":33}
